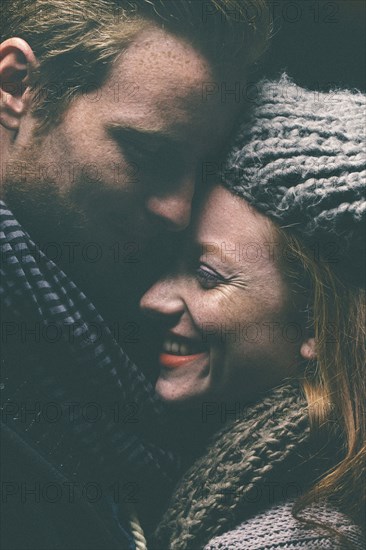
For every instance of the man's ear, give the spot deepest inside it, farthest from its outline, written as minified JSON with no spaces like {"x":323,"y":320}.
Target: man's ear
{"x":17,"y":61}
{"x":308,"y":349}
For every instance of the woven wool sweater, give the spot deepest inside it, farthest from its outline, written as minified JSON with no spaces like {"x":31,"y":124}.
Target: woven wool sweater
{"x":277,"y":528}
{"x":239,"y":493}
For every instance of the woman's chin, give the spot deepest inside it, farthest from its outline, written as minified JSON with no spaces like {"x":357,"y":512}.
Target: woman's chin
{"x":184,"y":393}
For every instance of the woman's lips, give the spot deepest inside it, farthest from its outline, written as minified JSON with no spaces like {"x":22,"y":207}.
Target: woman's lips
{"x":178,"y":351}
{"x":172,"y":361}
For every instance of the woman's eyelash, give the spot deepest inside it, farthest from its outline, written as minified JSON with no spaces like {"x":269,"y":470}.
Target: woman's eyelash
{"x":207,"y":276}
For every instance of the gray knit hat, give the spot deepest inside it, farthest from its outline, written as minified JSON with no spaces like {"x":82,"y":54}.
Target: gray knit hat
{"x":299,"y":157}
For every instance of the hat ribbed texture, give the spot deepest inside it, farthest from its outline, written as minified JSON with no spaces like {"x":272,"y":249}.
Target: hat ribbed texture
{"x":299,"y":157}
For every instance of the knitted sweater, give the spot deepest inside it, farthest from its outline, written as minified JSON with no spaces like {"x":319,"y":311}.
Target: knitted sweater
{"x":277,"y":528}
{"x":239,"y":493}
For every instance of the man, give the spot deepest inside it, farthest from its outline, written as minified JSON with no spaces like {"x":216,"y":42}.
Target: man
{"x":108,"y":110}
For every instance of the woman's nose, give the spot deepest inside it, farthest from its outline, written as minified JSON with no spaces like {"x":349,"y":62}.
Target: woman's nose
{"x":163,"y":300}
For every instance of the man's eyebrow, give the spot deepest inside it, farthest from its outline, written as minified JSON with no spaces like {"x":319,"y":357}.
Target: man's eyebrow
{"x":159,"y":137}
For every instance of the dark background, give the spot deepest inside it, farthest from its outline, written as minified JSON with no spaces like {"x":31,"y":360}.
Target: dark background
{"x":320,"y":43}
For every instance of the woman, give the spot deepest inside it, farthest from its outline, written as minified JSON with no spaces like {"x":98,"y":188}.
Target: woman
{"x":264,"y":317}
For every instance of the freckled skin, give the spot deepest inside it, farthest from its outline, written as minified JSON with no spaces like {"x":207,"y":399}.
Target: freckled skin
{"x":253,"y":297}
{"x":83,"y":183}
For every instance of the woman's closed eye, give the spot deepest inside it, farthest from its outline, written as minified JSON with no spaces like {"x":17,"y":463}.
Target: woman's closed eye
{"x":208,"y":277}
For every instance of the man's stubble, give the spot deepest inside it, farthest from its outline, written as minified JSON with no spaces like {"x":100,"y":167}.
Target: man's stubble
{"x":109,"y":266}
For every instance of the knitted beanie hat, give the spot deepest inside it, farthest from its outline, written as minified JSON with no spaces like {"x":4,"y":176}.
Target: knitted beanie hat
{"x":299,"y":157}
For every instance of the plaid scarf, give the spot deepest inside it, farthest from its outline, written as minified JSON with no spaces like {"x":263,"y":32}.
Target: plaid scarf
{"x":67,"y":386}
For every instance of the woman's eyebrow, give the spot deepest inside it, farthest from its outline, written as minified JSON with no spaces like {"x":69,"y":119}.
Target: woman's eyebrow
{"x":215,"y":250}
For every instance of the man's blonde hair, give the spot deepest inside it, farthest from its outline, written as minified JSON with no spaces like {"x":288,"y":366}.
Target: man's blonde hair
{"x":76,"y":42}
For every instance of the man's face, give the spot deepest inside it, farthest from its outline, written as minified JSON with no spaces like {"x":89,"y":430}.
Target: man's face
{"x":127,"y":154}
{"x":122,"y":164}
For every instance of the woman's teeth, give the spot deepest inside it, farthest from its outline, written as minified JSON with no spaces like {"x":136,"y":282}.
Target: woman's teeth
{"x":177,"y":348}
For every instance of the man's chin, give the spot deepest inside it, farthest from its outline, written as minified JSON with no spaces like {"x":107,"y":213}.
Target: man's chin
{"x":43,"y":211}
{"x":112,"y":262}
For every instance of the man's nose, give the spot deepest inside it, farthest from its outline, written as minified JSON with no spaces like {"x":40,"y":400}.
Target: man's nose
{"x":174,"y":207}
{"x":163,"y":300}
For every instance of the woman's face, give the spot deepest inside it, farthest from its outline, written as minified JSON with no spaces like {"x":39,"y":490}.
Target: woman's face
{"x":231,"y":328}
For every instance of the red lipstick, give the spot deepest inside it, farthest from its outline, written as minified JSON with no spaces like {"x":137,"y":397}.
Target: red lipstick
{"x":172,"y":361}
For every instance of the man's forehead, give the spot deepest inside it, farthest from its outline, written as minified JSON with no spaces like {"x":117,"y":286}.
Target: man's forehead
{"x":160,"y":66}
{"x":154,"y":46}
{"x":154,"y":83}
{"x":159,"y":96}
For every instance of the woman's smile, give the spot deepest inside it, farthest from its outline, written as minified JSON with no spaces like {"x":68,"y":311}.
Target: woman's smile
{"x":210,"y":299}
{"x":171,"y":360}
{"x":180,"y":351}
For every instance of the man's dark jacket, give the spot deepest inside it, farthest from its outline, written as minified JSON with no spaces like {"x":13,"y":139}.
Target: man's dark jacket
{"x":75,"y":412}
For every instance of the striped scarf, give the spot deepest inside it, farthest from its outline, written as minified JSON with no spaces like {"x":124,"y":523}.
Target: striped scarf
{"x":67,"y":385}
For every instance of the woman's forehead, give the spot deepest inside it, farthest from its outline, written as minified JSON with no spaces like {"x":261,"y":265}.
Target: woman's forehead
{"x":220,"y":215}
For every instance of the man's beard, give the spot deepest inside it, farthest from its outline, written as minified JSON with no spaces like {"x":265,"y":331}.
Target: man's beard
{"x":71,"y":234}
{"x":109,"y":266}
